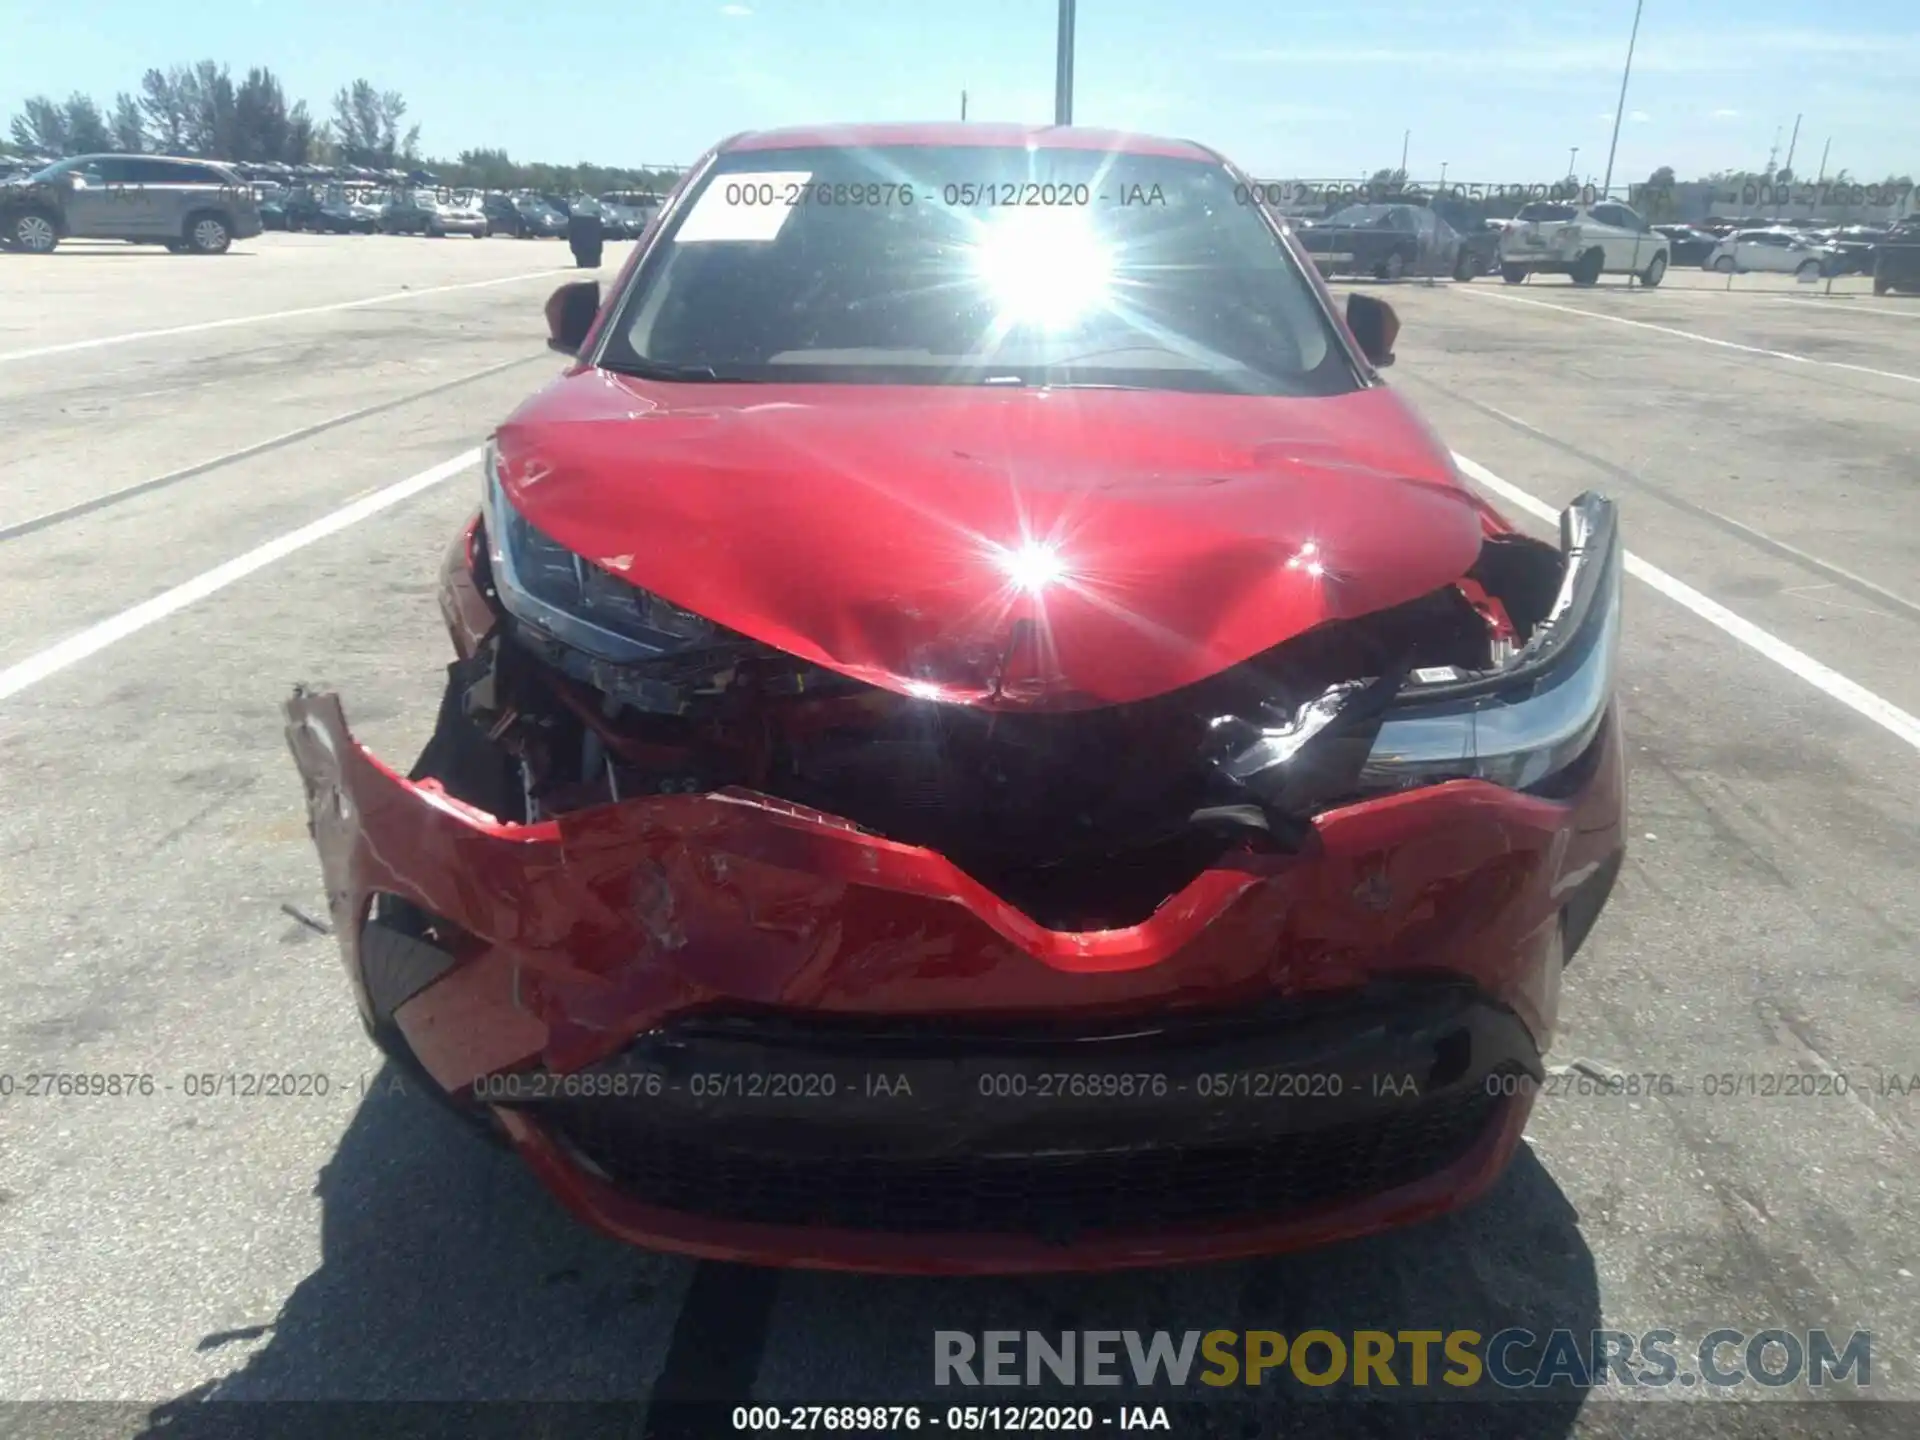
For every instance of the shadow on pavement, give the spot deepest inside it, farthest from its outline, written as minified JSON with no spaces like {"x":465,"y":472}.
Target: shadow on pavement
{"x":446,"y":1275}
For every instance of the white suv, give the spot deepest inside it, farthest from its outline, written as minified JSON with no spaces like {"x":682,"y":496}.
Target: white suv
{"x":1583,"y":242}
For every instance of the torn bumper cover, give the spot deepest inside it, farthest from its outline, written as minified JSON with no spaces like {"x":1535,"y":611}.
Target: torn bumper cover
{"x":730,"y":1025}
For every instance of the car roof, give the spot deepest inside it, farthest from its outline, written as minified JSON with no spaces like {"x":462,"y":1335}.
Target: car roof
{"x":995,"y":136}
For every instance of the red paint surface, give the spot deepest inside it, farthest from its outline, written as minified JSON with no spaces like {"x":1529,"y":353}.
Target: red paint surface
{"x":879,"y":530}
{"x":606,"y":923}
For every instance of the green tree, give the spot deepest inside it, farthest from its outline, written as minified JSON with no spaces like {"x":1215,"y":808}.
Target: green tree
{"x":129,"y":132}
{"x":263,"y":126}
{"x":165,"y":109}
{"x":213,"y":122}
{"x":87,"y":132}
{"x":366,"y":125}
{"x":41,"y":126}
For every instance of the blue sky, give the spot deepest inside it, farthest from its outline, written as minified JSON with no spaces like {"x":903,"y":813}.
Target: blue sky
{"x":1497,"y":92}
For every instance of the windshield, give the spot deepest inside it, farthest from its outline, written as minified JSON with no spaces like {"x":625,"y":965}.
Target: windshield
{"x":56,"y":170}
{"x":976,"y":266}
{"x":1546,"y":212}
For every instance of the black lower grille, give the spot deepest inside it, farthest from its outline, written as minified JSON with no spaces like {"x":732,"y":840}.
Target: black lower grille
{"x":1053,"y":1195}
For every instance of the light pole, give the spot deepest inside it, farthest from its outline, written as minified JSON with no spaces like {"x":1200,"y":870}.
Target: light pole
{"x":1063,"y":68}
{"x":1824,"y":150}
{"x":1405,"y":140}
{"x":1793,"y":144}
{"x":963,"y":105}
{"x":1619,"y":110}
{"x":1443,"y":175}
{"x":1572,"y":155}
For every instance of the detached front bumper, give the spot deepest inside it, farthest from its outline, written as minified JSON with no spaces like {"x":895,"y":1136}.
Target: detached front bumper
{"x":729,"y":1026}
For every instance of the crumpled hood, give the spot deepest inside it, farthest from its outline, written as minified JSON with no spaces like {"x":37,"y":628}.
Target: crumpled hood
{"x":1059,"y":549}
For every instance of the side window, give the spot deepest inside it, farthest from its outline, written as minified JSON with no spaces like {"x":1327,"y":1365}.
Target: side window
{"x":150,"y":172}
{"x":1610,"y":215}
{"x":108,"y":169}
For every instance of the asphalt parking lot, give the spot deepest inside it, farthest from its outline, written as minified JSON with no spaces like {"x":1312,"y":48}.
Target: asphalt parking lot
{"x":167,"y":417}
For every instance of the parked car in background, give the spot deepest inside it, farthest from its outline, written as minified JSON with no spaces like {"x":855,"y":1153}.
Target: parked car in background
{"x":1854,"y":246}
{"x":300,"y":210}
{"x":635,"y":210}
{"x":349,"y":210}
{"x":271,"y":197}
{"x":429,"y":212}
{"x":1383,"y":241}
{"x":1582,"y":242}
{"x":1688,"y":244}
{"x":1776,"y":250}
{"x":189,"y":206}
{"x":1896,"y":260}
{"x":523,"y":216}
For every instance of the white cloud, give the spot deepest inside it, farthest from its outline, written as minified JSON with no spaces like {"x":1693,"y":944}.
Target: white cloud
{"x":1638,"y":117}
{"x":1726,"y":114}
{"x":736,"y":11}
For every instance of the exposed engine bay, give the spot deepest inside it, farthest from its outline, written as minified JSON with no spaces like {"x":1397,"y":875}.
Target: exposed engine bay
{"x":1084,"y":820}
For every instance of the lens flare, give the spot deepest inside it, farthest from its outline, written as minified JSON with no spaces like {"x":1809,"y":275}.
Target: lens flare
{"x":1033,"y":566}
{"x":1045,"y":267}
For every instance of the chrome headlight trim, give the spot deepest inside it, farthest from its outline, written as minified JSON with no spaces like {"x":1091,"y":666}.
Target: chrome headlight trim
{"x":1535,"y":717}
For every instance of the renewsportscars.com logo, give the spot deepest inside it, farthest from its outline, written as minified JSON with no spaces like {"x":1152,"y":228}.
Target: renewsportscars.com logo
{"x":1511,"y":1359}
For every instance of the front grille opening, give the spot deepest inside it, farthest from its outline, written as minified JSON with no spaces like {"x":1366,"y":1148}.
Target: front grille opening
{"x":1057,"y":1196}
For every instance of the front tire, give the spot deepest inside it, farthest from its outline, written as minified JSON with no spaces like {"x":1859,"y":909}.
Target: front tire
{"x":208,"y":235}
{"x":1586,"y":270}
{"x":1808,"y":272}
{"x":1465,"y":267}
{"x":1654,"y":273}
{"x":1393,"y":267}
{"x":33,"y":232}
{"x":1723,"y":266}
{"x":1513,"y":274}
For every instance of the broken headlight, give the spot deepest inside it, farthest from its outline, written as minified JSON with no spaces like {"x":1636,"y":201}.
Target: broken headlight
{"x":574,"y":601}
{"x":1539,"y":712}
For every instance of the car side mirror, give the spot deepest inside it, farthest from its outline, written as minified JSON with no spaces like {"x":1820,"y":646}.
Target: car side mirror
{"x":1374,"y":326}
{"x":570,"y":313}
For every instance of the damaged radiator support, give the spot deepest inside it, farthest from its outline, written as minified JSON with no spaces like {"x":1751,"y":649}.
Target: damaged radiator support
{"x":1086,"y":819}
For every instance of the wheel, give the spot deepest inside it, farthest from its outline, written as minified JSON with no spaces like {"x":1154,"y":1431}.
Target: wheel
{"x":1724,"y":265}
{"x":1393,"y":267}
{"x":1808,"y":272}
{"x":1465,"y":267}
{"x":208,"y":235}
{"x":34,"y":232}
{"x":1513,"y":274}
{"x":1586,"y":270}
{"x":1654,"y":273}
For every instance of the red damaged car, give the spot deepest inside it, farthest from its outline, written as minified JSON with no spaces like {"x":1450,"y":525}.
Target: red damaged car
{"x":984,"y":737}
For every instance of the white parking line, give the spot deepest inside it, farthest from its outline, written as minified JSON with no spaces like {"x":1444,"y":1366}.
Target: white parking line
{"x":1682,"y":334}
{"x":1858,"y":698}
{"x":96,"y":638}
{"x":71,"y":346}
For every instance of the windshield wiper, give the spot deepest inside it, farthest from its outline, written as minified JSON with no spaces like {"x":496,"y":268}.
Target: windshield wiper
{"x":667,"y":370}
